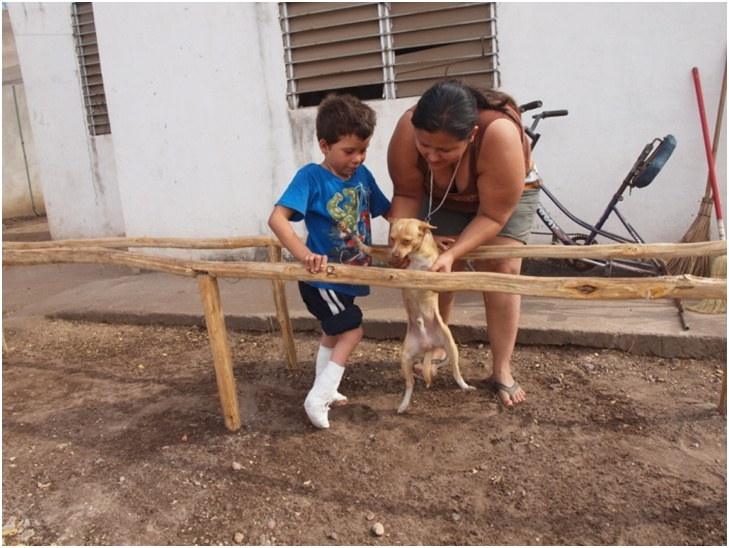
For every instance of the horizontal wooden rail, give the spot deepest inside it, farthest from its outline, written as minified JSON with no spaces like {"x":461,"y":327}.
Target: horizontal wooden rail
{"x":663,"y":287}
{"x":607,"y":251}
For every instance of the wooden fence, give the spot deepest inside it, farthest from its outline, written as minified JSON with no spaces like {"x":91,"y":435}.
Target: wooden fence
{"x":115,"y":251}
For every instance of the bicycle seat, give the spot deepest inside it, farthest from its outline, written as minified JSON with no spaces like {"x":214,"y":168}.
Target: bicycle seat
{"x":648,"y":170}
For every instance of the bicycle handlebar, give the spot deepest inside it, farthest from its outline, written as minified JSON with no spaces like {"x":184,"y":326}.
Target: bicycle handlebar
{"x":530,"y":131}
{"x":551,"y":113}
{"x":546,"y":114}
{"x":530,"y":106}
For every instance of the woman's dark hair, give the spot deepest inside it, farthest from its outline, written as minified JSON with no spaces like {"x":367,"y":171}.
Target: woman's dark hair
{"x":452,"y":106}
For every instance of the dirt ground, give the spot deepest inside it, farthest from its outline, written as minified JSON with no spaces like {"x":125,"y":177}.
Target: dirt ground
{"x":113,"y":434}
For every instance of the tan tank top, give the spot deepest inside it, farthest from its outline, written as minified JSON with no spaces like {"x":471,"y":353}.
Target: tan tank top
{"x":467,"y":201}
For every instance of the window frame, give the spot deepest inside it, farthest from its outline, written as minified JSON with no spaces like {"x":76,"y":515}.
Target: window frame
{"x":388,"y":22}
{"x":89,"y":62}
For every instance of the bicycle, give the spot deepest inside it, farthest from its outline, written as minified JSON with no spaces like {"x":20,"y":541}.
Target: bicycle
{"x":649,"y":163}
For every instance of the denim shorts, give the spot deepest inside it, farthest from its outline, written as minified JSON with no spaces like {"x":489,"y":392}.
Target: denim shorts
{"x":518,"y":227}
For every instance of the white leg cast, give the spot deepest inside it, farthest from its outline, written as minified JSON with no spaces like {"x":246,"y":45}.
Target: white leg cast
{"x":321,"y":394}
{"x":322,"y":359}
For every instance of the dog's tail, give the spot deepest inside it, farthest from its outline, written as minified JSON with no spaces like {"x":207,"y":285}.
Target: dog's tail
{"x":379,"y":254}
{"x":428,"y":368}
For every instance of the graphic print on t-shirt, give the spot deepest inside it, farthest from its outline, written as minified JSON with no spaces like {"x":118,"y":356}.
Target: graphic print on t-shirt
{"x":351,"y":207}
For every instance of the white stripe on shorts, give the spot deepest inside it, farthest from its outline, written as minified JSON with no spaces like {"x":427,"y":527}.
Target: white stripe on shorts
{"x":332,"y":301}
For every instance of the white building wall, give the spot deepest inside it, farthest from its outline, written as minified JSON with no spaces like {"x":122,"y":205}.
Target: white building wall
{"x":198,"y":113}
{"x":79,"y":175}
{"x":22,"y":188}
{"x":203,"y":141}
{"x":623,"y":70}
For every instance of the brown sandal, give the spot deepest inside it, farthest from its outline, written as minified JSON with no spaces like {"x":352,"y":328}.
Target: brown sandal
{"x":510,"y":391}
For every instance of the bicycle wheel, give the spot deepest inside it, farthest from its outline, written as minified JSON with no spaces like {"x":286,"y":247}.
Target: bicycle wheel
{"x":578,"y":265}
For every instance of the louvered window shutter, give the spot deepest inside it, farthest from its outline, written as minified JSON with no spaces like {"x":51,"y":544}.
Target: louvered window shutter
{"x":379,"y":50}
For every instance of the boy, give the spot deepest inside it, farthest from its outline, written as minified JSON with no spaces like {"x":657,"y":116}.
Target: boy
{"x":339,"y":192}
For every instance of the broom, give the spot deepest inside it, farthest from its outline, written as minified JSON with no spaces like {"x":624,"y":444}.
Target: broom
{"x":700,"y":229}
{"x":718,"y":266}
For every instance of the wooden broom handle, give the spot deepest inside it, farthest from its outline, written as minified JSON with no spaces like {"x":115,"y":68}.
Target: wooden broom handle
{"x":709,"y":155}
{"x":717,"y":130}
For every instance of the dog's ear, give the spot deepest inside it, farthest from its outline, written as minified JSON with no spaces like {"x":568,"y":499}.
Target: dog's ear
{"x":426,"y":226}
{"x":392,"y":220}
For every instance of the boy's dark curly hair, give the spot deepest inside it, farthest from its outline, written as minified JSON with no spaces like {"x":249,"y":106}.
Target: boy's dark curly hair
{"x":340,"y":115}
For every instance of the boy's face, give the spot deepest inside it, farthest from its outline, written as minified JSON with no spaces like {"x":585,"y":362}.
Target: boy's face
{"x":345,"y":156}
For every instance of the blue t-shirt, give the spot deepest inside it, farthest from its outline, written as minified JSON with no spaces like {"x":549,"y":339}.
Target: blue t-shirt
{"x":323,"y":200}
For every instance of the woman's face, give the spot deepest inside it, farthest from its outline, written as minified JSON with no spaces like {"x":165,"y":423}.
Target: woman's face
{"x":440,"y":148}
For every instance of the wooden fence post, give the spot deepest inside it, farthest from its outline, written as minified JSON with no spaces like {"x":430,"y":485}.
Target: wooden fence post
{"x":722,"y":398}
{"x":275,"y":255}
{"x":215,"y":322}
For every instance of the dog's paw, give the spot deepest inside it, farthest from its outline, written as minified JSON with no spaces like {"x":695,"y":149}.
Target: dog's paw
{"x":463,"y":384}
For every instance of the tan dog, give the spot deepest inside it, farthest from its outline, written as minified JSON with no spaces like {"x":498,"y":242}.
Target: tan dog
{"x":426,"y":330}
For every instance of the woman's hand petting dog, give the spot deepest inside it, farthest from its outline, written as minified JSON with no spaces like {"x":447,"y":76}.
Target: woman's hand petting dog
{"x":444,"y":263}
{"x":444,"y":242}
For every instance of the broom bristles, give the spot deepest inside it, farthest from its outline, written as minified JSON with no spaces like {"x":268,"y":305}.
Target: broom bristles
{"x":699,"y":231}
{"x":713,"y":306}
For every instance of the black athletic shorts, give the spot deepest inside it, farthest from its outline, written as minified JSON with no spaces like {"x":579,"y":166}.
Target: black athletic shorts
{"x":336,"y":311}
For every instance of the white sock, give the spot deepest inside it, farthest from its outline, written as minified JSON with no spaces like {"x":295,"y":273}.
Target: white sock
{"x":321,"y":394}
{"x":323,"y":356}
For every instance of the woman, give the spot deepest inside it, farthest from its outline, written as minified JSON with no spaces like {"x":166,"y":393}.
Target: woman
{"x":459,"y":159}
